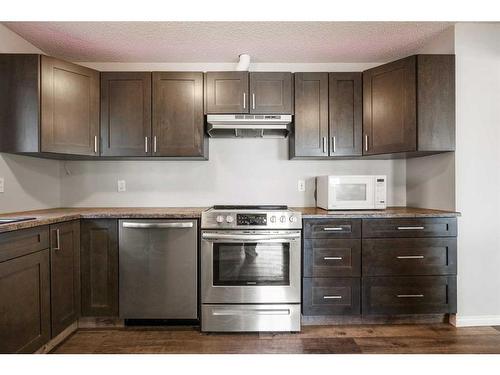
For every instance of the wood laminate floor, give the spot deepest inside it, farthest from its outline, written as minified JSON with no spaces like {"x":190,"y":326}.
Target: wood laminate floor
{"x":430,"y":338}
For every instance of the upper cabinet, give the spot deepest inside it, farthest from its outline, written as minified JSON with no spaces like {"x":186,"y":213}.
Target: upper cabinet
{"x":409,"y":106}
{"x":328,"y":115}
{"x":243,"y":92}
{"x":226,"y":92}
{"x":178,"y":121}
{"x":48,"y":106}
{"x":70,"y":108}
{"x":346,"y":114}
{"x":310,"y":136}
{"x":270,"y":92}
{"x":126,"y":114}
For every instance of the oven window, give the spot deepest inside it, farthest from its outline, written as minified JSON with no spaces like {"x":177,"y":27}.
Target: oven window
{"x":251,"y":264}
{"x":350,"y":192}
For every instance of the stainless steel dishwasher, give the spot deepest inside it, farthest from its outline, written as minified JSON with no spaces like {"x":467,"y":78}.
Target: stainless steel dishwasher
{"x":158,"y":269}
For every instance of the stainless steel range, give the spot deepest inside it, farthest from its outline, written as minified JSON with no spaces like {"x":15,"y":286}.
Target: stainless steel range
{"x":250,"y":269}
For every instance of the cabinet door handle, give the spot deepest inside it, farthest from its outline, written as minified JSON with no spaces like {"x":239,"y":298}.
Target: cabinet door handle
{"x":95,"y":144}
{"x":58,"y":241}
{"x":154,"y":144}
{"x":410,"y":295}
{"x":332,"y":297}
{"x":333,"y":229}
{"x":410,"y":257}
{"x":146,"y":145}
{"x":334,"y":146}
{"x":411,"y":228}
{"x":253,"y":100}
{"x":332,"y":258}
{"x":366,"y":142}
{"x":324,"y":145}
{"x":244,"y":100}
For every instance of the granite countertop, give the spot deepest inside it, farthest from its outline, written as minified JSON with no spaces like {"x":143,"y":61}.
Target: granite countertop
{"x":56,"y":215}
{"x":390,"y":212}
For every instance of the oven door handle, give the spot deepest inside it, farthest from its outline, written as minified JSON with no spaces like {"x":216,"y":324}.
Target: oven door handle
{"x":250,"y":237}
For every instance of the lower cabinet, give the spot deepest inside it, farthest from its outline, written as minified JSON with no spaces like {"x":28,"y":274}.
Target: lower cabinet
{"x":389,"y":267}
{"x":24,"y":303}
{"x":410,"y":295}
{"x":99,"y":267}
{"x":64,"y":274}
{"x":331,"y":296}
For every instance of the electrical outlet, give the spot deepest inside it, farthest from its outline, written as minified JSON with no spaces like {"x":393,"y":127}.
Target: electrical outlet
{"x":2,"y":185}
{"x":301,"y":185}
{"x":122,"y":186}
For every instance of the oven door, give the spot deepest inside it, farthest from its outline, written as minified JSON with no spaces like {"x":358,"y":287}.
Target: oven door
{"x":351,"y":192}
{"x":250,"y":266}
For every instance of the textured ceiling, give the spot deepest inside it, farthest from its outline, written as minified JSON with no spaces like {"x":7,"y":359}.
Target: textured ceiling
{"x":298,"y":42}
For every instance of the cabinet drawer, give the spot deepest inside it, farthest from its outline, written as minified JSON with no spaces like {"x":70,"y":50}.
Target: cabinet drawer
{"x":332,"y":228}
{"x":423,"y":227}
{"x":21,"y":242}
{"x":332,"y":258}
{"x":409,"y":295}
{"x":331,"y":296}
{"x":410,"y":256}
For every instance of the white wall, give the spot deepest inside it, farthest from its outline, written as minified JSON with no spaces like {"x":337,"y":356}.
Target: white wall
{"x":245,"y":171}
{"x":29,"y":183}
{"x":477,"y":50}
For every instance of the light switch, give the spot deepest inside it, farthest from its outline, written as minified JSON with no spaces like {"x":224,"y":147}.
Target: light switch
{"x":301,"y":185}
{"x":2,"y":185}
{"x":122,"y":186}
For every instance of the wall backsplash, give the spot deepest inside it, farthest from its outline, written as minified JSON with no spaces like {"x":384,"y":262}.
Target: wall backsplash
{"x":244,"y":171}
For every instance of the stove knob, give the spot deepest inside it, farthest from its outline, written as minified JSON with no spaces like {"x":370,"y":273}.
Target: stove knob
{"x":283,"y":218}
{"x":229,"y":219}
{"x":273,"y":219}
{"x":293,"y":219}
{"x":220,"y":219}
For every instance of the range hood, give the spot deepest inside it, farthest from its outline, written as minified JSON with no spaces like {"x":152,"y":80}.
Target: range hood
{"x":249,"y":126}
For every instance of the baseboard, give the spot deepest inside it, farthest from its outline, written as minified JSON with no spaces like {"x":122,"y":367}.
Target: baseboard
{"x":58,"y":339}
{"x":474,"y":321}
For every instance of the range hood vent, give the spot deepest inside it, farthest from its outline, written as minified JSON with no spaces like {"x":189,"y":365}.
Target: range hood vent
{"x":249,"y":126}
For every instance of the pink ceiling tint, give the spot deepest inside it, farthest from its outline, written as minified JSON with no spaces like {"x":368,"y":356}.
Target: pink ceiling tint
{"x":280,"y":42}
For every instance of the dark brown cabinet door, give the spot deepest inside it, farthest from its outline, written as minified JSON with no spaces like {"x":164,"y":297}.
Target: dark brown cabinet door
{"x":24,"y":303}
{"x":69,"y":108}
{"x":331,"y":296}
{"x":271,"y":92}
{"x":226,"y":92}
{"x":346,"y":114}
{"x":126,"y":113}
{"x":389,"y":108}
{"x":64,"y":274}
{"x":178,"y":121}
{"x":99,"y":267}
{"x":310,"y":136}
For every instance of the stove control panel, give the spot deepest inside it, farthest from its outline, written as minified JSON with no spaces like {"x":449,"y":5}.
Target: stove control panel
{"x":251,"y":219}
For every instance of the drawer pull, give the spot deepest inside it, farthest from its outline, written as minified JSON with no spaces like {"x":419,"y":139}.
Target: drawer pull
{"x":410,"y":295}
{"x":332,"y":297}
{"x":410,"y":257}
{"x":332,"y":258}
{"x":411,"y":228}
{"x":332,"y":229}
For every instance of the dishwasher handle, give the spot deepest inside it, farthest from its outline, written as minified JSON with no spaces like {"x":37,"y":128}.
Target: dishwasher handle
{"x":181,"y":224}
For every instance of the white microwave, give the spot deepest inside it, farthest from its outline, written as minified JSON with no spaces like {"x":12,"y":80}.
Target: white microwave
{"x":351,"y":192}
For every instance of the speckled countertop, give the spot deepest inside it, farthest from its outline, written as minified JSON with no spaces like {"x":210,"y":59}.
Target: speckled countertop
{"x":390,"y":212}
{"x":56,"y":215}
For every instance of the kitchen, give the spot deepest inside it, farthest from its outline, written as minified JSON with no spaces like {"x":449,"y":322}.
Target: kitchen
{"x":228,"y":202}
